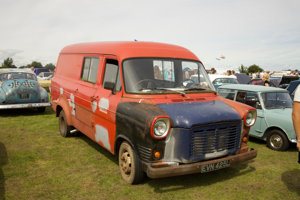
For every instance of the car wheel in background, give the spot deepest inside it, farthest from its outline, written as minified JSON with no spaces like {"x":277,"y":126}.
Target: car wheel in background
{"x":277,"y":140}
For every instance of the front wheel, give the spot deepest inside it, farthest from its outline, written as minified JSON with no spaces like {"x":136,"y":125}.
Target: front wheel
{"x":130,"y":167}
{"x":64,"y":128}
{"x":277,"y":140}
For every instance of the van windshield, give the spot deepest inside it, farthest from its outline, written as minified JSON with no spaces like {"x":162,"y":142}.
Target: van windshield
{"x":160,"y":76}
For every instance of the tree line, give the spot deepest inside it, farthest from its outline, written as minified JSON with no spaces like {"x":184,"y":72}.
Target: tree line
{"x":9,"y":63}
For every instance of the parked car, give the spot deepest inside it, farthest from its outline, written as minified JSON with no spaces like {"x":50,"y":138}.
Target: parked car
{"x":37,"y":71}
{"x":19,"y":89}
{"x":45,"y":75}
{"x":133,"y":99}
{"x":259,"y":81}
{"x":292,"y":88}
{"x":274,"y":112}
{"x":218,"y":80}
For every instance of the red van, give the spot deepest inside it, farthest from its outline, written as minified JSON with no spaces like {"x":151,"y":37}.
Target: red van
{"x":153,"y":105}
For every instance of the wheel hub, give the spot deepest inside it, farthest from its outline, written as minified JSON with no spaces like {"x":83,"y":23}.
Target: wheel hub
{"x":276,"y":141}
{"x":126,"y":162}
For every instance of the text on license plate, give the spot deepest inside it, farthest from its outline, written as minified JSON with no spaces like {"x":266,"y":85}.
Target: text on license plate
{"x":215,"y":166}
{"x":24,"y":96}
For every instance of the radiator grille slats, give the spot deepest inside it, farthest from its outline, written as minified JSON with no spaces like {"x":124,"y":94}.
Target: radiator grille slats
{"x":215,"y":138}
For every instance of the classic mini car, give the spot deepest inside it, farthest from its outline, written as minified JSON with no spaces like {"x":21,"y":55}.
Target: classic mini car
{"x":137,"y":101}
{"x":274,"y":112}
{"x":19,"y":89}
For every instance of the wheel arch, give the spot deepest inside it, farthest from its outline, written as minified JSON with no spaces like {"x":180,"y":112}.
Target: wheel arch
{"x":63,"y":104}
{"x":269,"y":129}
{"x":118,"y":142}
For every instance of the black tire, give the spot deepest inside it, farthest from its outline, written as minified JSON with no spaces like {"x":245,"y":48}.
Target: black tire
{"x":64,"y":128}
{"x":130,"y":166}
{"x":41,"y":109}
{"x":277,"y":140}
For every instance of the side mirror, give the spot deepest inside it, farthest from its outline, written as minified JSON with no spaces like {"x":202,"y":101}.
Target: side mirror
{"x":110,"y":86}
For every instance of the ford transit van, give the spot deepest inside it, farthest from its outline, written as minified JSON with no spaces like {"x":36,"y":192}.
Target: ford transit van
{"x":152,"y":105}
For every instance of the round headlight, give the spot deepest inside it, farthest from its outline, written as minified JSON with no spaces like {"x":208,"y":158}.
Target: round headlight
{"x":250,"y":117}
{"x":160,"y":127}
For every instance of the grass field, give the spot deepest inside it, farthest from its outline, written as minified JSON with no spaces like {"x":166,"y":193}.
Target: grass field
{"x":37,"y":163}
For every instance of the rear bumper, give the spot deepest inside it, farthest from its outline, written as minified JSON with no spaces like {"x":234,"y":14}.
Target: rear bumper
{"x":24,"y":105}
{"x":167,"y":171}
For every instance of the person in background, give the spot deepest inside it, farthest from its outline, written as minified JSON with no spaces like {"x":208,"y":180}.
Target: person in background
{"x":213,"y":71}
{"x":32,"y":68}
{"x":229,"y":72}
{"x":266,"y":79}
{"x":296,"y":115}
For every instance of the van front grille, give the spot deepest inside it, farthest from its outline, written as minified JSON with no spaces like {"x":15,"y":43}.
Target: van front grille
{"x":214,"y":138}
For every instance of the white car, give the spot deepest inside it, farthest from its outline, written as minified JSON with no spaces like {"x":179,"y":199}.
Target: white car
{"x":45,"y":75}
{"x":218,"y":80}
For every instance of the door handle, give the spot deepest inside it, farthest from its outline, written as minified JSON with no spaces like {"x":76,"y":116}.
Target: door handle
{"x":93,"y":98}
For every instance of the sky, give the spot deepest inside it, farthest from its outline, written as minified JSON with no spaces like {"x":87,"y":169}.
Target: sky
{"x":261,"y":32}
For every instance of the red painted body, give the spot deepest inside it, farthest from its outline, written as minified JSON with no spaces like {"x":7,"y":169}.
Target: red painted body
{"x":92,"y":109}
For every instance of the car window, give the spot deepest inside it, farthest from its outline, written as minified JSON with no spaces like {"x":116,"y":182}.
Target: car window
{"x":90,"y":69}
{"x":17,"y":75}
{"x":249,"y":98}
{"x":112,"y":74}
{"x":227,"y":93}
{"x":275,"y":100}
{"x":164,"y":75}
{"x":221,"y":81}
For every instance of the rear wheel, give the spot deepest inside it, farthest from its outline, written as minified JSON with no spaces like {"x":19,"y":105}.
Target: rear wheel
{"x":277,"y":140}
{"x":64,"y":128}
{"x":130,"y":166}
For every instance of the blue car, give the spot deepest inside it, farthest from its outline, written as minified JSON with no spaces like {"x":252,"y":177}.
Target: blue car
{"x":19,"y":89}
{"x":292,"y":88}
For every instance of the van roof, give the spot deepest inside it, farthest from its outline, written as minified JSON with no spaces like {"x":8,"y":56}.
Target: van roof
{"x":125,"y":50}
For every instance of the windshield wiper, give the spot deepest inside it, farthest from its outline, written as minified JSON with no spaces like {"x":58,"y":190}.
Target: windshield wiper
{"x":195,"y":88}
{"x":166,"y":89}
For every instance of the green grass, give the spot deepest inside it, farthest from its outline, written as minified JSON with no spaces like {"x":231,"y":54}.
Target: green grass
{"x":37,"y":163}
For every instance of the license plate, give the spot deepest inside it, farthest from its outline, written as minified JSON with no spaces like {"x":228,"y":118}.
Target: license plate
{"x":24,"y":96}
{"x":215,"y":166}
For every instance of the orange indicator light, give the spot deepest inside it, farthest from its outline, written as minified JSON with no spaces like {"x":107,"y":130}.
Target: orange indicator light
{"x":156,"y":154}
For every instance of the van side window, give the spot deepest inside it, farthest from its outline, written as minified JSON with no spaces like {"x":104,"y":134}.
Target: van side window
{"x":112,"y":74}
{"x":90,"y":69}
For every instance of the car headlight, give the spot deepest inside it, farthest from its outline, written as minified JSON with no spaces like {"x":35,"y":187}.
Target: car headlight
{"x":160,"y":127}
{"x":250,"y":117}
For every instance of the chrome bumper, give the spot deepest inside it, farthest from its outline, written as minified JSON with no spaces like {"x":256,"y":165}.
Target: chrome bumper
{"x":168,"y":171}
{"x":24,"y":105}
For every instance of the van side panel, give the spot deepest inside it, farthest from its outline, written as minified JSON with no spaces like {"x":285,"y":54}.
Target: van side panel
{"x":69,"y":66}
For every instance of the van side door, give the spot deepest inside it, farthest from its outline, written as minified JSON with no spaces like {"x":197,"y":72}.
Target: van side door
{"x":84,"y":94}
{"x":110,"y":94}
